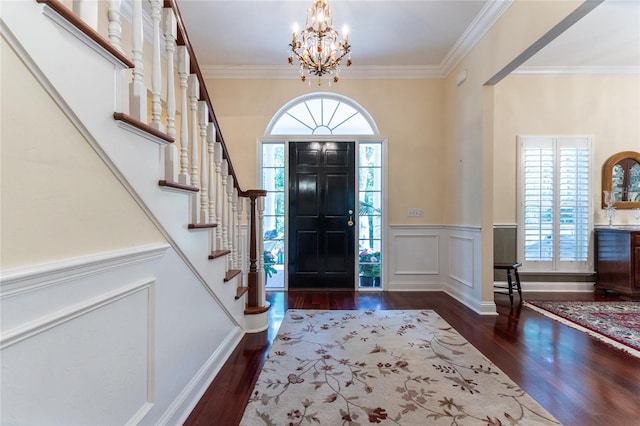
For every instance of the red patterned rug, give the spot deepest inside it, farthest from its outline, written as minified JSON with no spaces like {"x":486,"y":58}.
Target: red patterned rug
{"x":616,"y":323}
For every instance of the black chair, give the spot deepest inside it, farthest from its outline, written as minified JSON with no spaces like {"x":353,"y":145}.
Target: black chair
{"x":509,"y":267}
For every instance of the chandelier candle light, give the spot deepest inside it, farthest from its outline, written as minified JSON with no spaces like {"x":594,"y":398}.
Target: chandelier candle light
{"x":317,"y":48}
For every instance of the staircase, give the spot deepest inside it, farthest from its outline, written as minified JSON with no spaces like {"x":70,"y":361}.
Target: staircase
{"x":143,"y":108}
{"x":182,"y":136}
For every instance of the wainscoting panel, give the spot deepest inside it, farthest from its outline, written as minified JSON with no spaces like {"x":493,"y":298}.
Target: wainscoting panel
{"x":464,"y":256}
{"x":461,"y":259}
{"x":96,"y":340}
{"x":99,"y":352}
{"x":414,"y":258}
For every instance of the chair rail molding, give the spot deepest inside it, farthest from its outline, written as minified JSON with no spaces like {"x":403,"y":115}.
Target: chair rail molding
{"x":34,"y":277}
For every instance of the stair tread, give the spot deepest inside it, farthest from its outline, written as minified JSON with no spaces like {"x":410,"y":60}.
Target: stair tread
{"x":179,"y":186}
{"x":231,"y":274}
{"x":240,"y":291}
{"x":201,"y":225}
{"x":218,"y":253}
{"x":140,"y":125}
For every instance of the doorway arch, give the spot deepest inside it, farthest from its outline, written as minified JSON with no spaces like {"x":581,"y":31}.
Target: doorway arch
{"x":326,"y":118}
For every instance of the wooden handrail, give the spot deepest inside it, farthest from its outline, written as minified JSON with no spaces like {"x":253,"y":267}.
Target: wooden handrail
{"x":74,"y":19}
{"x":254,"y":303}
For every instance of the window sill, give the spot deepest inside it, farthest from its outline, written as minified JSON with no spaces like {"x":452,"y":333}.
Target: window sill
{"x":575,"y":273}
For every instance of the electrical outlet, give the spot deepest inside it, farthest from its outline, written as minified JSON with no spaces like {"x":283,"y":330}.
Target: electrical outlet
{"x":415,"y":212}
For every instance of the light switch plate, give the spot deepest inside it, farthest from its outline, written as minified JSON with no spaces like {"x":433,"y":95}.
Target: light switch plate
{"x":415,"y":212}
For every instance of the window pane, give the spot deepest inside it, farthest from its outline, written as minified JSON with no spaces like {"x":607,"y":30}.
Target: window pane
{"x":370,"y":203}
{"x":273,"y":155}
{"x":288,"y":125}
{"x":370,"y":154}
{"x":370,"y":179}
{"x":329,"y":107}
{"x":370,"y":228}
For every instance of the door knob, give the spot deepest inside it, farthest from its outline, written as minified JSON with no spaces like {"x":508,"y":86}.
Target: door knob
{"x":350,"y":222}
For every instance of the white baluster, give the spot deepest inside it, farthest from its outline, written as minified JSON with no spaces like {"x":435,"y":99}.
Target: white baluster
{"x":171,"y":150}
{"x":194,"y":94}
{"x":219,"y":243}
{"x":87,"y":10}
{"x":247,"y":235}
{"x":231,"y":213}
{"x":156,"y":67}
{"x":260,"y":242}
{"x":183,"y":73}
{"x":115,"y":26}
{"x":203,"y":119}
{"x":222,"y":196}
{"x":137,"y":89}
{"x":239,"y":239}
{"x":170,"y":35}
{"x":211,"y":140}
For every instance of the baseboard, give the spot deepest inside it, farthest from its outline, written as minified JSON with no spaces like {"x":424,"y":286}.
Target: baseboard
{"x":478,"y":306}
{"x":414,"y":286}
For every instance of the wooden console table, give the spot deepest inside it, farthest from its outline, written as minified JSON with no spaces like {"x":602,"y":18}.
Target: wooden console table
{"x":618,"y":260}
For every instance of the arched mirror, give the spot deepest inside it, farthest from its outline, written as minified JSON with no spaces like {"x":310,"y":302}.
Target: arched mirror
{"x":621,"y":176}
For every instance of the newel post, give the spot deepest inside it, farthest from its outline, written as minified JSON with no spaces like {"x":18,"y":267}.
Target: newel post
{"x":256,"y":292}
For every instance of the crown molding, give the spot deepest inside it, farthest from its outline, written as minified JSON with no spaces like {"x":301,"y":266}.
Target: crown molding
{"x":286,"y":72}
{"x":482,"y":23}
{"x":532,"y":71}
{"x":485,"y":19}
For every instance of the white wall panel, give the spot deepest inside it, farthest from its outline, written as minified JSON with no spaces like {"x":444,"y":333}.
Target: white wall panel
{"x":461,"y":259}
{"x":464,"y":280}
{"x":89,"y":364}
{"x":414,"y":258}
{"x":417,"y":255}
{"x":437,"y":258}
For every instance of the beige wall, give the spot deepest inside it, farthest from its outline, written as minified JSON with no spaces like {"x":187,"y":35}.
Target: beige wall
{"x":468,"y":153}
{"x":408,"y":112}
{"x":59,"y":200}
{"x":469,"y":112}
{"x":605,"y":107}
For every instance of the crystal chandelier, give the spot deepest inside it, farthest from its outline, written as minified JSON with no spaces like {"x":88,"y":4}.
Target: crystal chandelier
{"x":317,"y":48}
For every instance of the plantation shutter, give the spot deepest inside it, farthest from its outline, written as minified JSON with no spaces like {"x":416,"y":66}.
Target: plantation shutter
{"x":554,"y":220}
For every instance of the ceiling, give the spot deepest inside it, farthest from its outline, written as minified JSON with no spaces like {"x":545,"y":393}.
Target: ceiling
{"x":401,"y":39}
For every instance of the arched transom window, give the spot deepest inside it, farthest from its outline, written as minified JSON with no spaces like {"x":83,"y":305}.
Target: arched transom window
{"x":322,"y":114}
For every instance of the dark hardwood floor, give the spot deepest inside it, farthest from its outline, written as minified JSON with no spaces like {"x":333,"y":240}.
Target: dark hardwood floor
{"x":578,"y":379}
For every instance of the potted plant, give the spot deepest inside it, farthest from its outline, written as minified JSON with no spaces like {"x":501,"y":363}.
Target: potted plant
{"x":369,"y":268}
{"x":269,"y":261}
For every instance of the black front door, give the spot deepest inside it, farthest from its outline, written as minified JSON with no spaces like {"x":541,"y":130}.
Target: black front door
{"x":321,"y":215}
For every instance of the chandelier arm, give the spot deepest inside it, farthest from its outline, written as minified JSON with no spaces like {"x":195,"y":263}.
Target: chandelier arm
{"x":318,"y":50}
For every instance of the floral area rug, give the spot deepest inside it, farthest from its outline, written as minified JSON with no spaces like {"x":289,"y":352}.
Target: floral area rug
{"x":382,"y":367}
{"x":615,"y":323}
